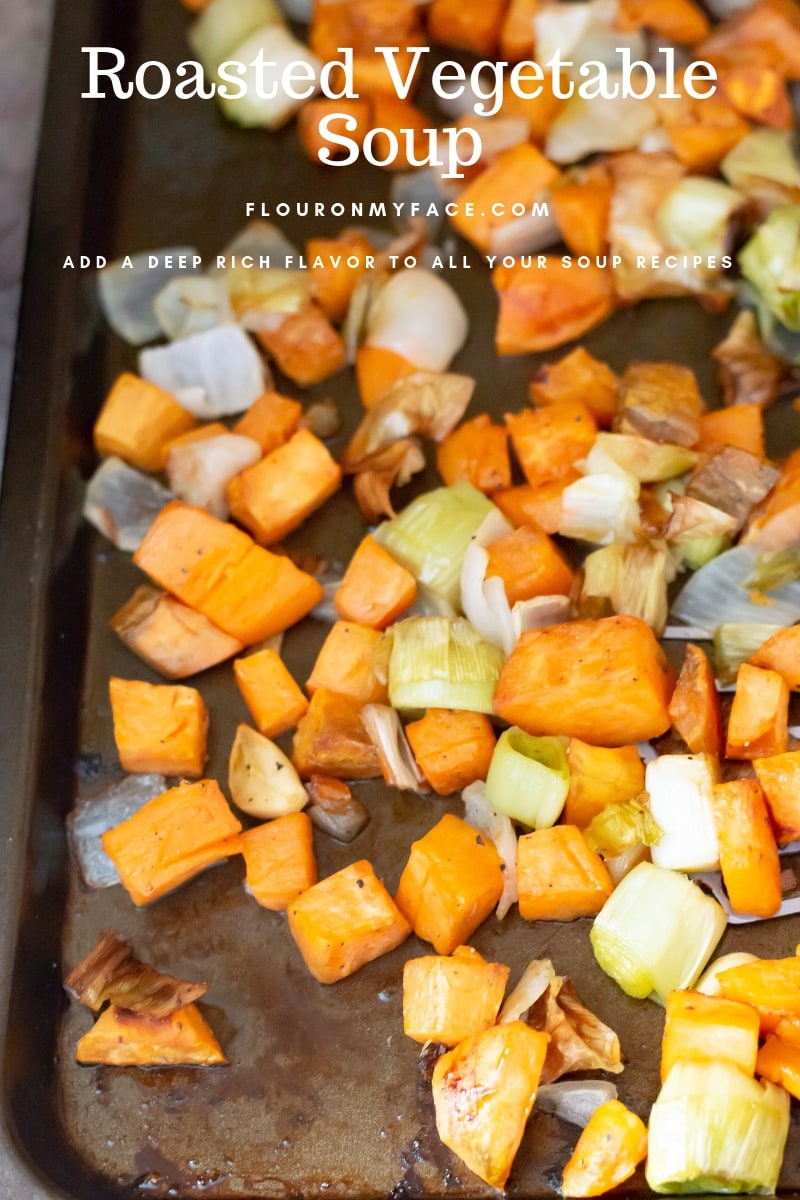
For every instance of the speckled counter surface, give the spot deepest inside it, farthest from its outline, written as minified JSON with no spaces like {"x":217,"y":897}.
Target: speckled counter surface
{"x":24,"y":44}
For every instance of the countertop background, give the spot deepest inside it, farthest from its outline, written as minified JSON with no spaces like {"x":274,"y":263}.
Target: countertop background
{"x":24,"y":45}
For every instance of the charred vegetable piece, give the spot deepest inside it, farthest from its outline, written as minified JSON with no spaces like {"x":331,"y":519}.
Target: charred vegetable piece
{"x":331,"y":739}
{"x":334,"y":809}
{"x":112,"y":972}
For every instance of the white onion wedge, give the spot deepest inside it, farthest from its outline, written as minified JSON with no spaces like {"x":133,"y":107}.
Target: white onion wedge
{"x":419,"y":316}
{"x":574,"y":1100}
{"x":223,"y":362}
{"x":499,"y":830}
{"x":192,"y":305}
{"x":199,"y":471}
{"x":91,"y":818}
{"x":126,"y":293}
{"x":123,"y":503}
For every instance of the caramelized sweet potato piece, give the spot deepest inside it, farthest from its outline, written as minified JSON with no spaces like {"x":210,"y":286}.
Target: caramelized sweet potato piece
{"x":120,"y":1038}
{"x":483,"y":1092}
{"x":779,"y":1062}
{"x":529,"y":564}
{"x":701,"y":1028}
{"x":377,"y":370}
{"x":331,"y":739}
{"x":680,"y":21}
{"x":608,"y":1151}
{"x":577,"y":376}
{"x":476,"y":451}
{"x":558,"y":877}
{"x":137,"y":421}
{"x":741,"y":425}
{"x":452,"y":881}
{"x":452,"y":749}
{"x":582,"y":208}
{"x":535,"y":504}
{"x":172,"y":838}
{"x":557,"y":681}
{"x":694,"y":708}
{"x":758,"y":723}
{"x":472,"y":25}
{"x":305,"y":346}
{"x":274,"y":496}
{"x":337,"y":263}
{"x":516,"y":31}
{"x":279,"y":860}
{"x":345,"y":921}
{"x":449,"y":998}
{"x":547,"y":306}
{"x":770,"y":985}
{"x":748,"y":854}
{"x":160,"y":728}
{"x":170,"y":637}
{"x":517,"y":176}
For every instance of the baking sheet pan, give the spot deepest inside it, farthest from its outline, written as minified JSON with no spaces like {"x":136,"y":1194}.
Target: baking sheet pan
{"x":324,"y":1095}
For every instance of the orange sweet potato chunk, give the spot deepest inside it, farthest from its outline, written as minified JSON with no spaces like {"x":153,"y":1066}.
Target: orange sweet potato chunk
{"x":375,"y":589}
{"x":758,"y":722}
{"x":452,"y":748}
{"x":345,"y":921}
{"x":558,"y":681}
{"x":483,"y":1093}
{"x":270,"y":420}
{"x":448,"y":998}
{"x":345,"y":664}
{"x":599,"y":776}
{"x":748,"y":853}
{"x":172,"y":838}
{"x":170,"y":637}
{"x":779,"y":776}
{"x":549,"y":441}
{"x":559,"y":877}
{"x":608,"y":1151}
{"x":694,"y":708}
{"x":781,"y":653}
{"x":517,"y":176}
{"x":337,"y":264}
{"x":120,"y":1038}
{"x":545,"y":306}
{"x":305,"y":346}
{"x":159,"y":727}
{"x":279,"y":860}
{"x":476,"y":451}
{"x":577,"y":376}
{"x":275,"y":700}
{"x":331,"y":739}
{"x":701,"y":1028}
{"x":529,"y":564}
{"x":451,"y":882}
{"x":467,"y":24}
{"x":137,"y":421}
{"x":216,"y":568}
{"x":274,"y":496}
{"x":535,"y":504}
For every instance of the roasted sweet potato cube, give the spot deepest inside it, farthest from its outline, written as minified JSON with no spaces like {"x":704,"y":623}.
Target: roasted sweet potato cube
{"x":345,"y":921}
{"x":305,"y":346}
{"x":529,"y":564}
{"x":535,"y":504}
{"x":557,"y":680}
{"x":159,"y":727}
{"x":375,"y":589}
{"x":467,"y":24}
{"x":331,"y":739}
{"x":273,"y":497}
{"x":770,"y":985}
{"x":776,"y":523}
{"x":120,"y":1038}
{"x":599,"y":776}
{"x":704,"y":1028}
{"x":545,"y":308}
{"x":779,"y":776}
{"x":270,"y":420}
{"x":170,"y":637}
{"x":476,"y":451}
{"x":694,"y":708}
{"x":781,"y":653}
{"x":451,"y":882}
{"x":452,"y":748}
{"x":740,"y":425}
{"x":559,"y":877}
{"x":577,"y":376}
{"x":517,"y":175}
{"x":275,"y":700}
{"x":611,"y":1145}
{"x":212,"y":566}
{"x":343,"y":260}
{"x":137,"y":421}
{"x":279,"y":860}
{"x":758,"y":722}
{"x":172,"y":838}
{"x":345,"y":664}
{"x":549,"y":441}
{"x":448,"y":998}
{"x":483,"y":1092}
{"x":779,"y":1062}
{"x":748,"y":854}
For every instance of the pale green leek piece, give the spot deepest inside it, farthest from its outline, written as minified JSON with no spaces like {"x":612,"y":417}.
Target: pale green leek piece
{"x":528,"y":778}
{"x":656,"y":932}
{"x":715,"y":1129}
{"x":438,"y":663}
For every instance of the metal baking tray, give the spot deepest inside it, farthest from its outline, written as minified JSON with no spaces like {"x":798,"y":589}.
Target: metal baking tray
{"x":324,"y":1096}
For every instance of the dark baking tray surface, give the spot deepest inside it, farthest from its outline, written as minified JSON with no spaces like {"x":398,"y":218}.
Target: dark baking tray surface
{"x":324,"y":1094}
